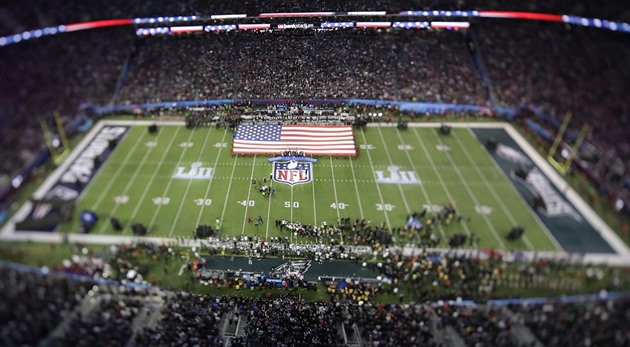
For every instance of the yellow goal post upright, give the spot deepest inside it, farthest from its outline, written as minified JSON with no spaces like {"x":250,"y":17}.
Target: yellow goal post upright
{"x":58,"y":151}
{"x":563,"y":167}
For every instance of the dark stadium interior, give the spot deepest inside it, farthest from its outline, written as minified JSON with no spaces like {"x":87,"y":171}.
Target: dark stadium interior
{"x":553,"y":68}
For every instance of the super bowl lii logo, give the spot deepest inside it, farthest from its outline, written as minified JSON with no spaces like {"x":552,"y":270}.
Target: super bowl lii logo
{"x":196,"y":172}
{"x":292,"y":170}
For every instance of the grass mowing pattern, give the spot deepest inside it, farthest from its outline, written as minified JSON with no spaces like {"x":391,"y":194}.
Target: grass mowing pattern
{"x":136,"y":186}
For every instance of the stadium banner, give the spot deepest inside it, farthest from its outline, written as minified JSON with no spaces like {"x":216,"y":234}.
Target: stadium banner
{"x":549,"y":203}
{"x":74,"y":179}
{"x":409,"y":106}
{"x":433,"y":107}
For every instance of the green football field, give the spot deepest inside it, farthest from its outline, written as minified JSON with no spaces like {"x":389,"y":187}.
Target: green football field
{"x":137,"y":185}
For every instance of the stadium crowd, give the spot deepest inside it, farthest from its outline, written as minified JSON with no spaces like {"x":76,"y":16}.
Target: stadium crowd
{"x":546,"y":66}
{"x":31,"y":305}
{"x":405,"y":65}
{"x":17,"y":16}
{"x":583,"y":72}
{"x":111,"y":314}
{"x":57,"y":74}
{"x":570,"y":324}
{"x":188,"y":319}
{"x":401,"y":65}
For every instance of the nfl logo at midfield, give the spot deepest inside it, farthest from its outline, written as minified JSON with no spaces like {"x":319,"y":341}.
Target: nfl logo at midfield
{"x":292,"y":172}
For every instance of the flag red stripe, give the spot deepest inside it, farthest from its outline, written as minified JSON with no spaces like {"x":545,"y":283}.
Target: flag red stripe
{"x":283,"y":147}
{"x":311,"y":139}
{"x":323,"y":151}
{"x":294,"y":142}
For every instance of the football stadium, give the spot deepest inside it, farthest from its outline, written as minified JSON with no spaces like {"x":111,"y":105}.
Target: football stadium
{"x":326,"y":173}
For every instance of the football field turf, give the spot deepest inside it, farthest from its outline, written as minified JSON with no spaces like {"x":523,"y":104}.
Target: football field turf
{"x":136,"y":185}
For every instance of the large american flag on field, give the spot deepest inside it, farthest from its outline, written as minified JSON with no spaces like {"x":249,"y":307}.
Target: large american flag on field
{"x":310,"y":139}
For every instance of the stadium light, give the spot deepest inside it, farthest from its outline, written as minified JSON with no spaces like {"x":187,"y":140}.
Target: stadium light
{"x":17,"y":181}
{"x":619,"y":204}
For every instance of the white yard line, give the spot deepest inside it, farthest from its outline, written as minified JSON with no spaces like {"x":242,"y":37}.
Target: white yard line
{"x":378,"y":189}
{"x":227,"y":195}
{"x":170,"y":181}
{"x":249,"y":191}
{"x":291,"y":204}
{"x":314,"y":204}
{"x":437,"y":174}
{"x":391,"y":162}
{"x":470,"y":193}
{"x":113,"y":179}
{"x":214,"y":170}
{"x":184,"y":199}
{"x":356,"y":189}
{"x":490,"y":187}
{"x":424,"y":192}
{"x":332,"y":170}
{"x":268,"y":212}
{"x":132,"y":180}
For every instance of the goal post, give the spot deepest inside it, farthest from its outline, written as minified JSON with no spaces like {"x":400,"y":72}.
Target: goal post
{"x":562,"y":166}
{"x":58,"y":151}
